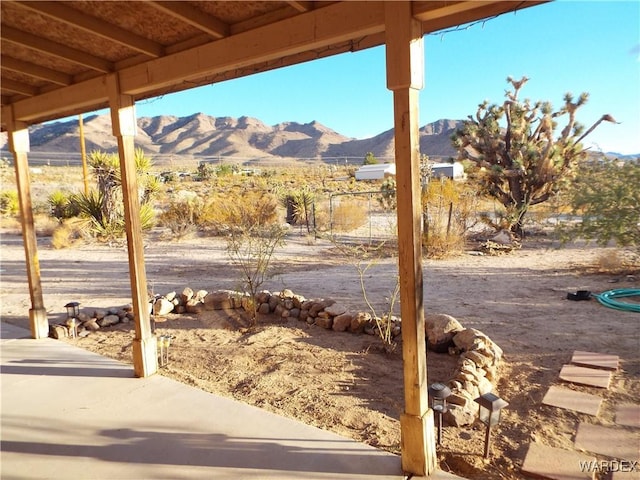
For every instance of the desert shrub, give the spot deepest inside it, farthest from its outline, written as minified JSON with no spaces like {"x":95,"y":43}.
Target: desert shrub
{"x":238,"y":210}
{"x":604,"y":197}
{"x":250,"y":249}
{"x":618,"y":261}
{"x":363,"y":258}
{"x":448,"y":209}
{"x":65,"y":235}
{"x":9,"y":204}
{"x":370,"y":159}
{"x":205,"y":172}
{"x":322,"y":217}
{"x":169,"y":176}
{"x":225,"y":170}
{"x":347,"y":216}
{"x":387,"y":198}
{"x":182,"y":216}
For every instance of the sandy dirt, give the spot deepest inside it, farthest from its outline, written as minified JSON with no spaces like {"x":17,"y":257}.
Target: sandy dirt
{"x":345,"y":382}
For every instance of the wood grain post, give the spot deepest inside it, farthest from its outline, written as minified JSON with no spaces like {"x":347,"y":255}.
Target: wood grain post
{"x":18,"y":136}
{"x":405,"y":77}
{"x":123,"y":119}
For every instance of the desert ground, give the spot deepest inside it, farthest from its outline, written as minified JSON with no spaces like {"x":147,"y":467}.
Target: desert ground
{"x":345,"y":382}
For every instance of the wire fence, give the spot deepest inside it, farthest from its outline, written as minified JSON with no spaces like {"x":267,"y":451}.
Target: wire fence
{"x":68,"y":159}
{"x":359,"y":217}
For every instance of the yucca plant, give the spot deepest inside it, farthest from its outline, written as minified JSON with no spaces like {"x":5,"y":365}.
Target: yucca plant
{"x":301,"y":202}
{"x":9,"y":204}
{"x":109,"y":221}
{"x":61,"y":205}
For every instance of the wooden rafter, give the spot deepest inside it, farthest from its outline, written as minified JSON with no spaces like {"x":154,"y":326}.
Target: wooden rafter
{"x":270,"y":39}
{"x":14,"y":86}
{"x":95,"y":26}
{"x":194,"y":17}
{"x":55,"y":49}
{"x":301,"y":6}
{"x":36,"y":71}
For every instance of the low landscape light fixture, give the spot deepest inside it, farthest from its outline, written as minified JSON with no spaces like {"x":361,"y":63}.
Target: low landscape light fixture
{"x":439,"y":393}
{"x":73,"y":309}
{"x":490,"y":406}
{"x":73,"y":327}
{"x":164,"y":342}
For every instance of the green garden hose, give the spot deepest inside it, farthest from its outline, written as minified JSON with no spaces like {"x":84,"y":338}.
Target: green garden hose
{"x":607,"y":299}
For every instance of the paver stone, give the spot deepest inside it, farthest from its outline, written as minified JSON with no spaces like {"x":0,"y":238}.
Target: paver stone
{"x":555,"y":463}
{"x":612,"y":442}
{"x":595,"y":360}
{"x":585,"y":376}
{"x":572,"y":400}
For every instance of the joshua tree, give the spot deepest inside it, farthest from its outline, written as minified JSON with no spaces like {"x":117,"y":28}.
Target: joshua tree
{"x":520,"y":162}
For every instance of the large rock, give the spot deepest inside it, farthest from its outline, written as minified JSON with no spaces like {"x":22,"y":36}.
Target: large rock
{"x":470,"y":339}
{"x":194,"y":306}
{"x":162,"y":306}
{"x":186,"y":295}
{"x":58,"y":331}
{"x":359,"y":321}
{"x":91,"y":325}
{"x":342,"y":322}
{"x":459,"y":416}
{"x":319,"y":305}
{"x":335,"y":309}
{"x":219,"y":300}
{"x":263,"y":296}
{"x":324,"y":322}
{"x":109,"y":320}
{"x":440,"y":329}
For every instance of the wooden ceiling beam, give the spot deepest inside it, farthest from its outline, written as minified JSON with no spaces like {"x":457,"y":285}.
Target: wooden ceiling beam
{"x":55,"y":49}
{"x":35,"y":71}
{"x":458,"y":13}
{"x":194,"y":17}
{"x":324,"y":31}
{"x":301,"y":6}
{"x":14,"y":86}
{"x":315,"y":30}
{"x":262,"y":20}
{"x":78,"y":97}
{"x":94,"y":26}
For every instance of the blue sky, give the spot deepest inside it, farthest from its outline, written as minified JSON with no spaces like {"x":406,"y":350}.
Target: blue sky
{"x":565,"y":46}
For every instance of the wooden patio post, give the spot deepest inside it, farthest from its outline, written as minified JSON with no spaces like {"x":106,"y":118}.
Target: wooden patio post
{"x":123,"y":119}
{"x":19,"y":145}
{"x":405,"y":77}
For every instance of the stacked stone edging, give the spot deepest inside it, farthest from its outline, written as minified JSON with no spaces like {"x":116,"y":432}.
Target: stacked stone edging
{"x":479,"y":357}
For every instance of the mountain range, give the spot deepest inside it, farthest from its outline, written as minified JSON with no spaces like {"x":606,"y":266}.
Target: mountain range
{"x":203,"y":136}
{"x":244,"y":137}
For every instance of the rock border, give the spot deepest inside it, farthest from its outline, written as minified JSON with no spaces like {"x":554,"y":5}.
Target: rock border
{"x":479,"y":356}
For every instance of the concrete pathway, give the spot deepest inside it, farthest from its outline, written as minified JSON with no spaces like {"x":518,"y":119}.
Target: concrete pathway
{"x":70,"y":414}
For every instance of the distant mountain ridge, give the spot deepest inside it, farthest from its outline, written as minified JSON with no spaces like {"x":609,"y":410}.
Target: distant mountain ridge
{"x":245,"y":137}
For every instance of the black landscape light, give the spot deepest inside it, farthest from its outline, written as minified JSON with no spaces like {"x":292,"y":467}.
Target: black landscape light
{"x":439,"y":393}
{"x":489,"y":413}
{"x":73,"y":309}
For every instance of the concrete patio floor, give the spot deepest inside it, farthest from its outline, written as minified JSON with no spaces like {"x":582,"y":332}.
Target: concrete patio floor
{"x":72,"y":414}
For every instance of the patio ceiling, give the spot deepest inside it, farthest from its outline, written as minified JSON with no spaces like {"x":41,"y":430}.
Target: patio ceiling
{"x":56,"y":55}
